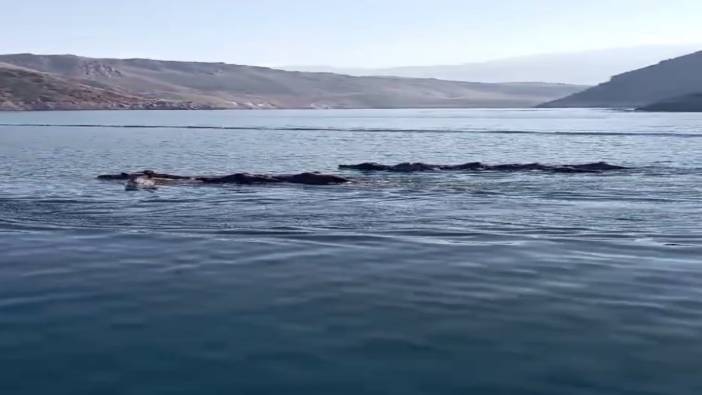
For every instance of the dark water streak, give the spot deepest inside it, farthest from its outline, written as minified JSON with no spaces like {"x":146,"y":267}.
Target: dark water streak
{"x":357,"y":130}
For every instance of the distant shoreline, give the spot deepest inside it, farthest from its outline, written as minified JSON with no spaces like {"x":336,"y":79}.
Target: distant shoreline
{"x":633,"y":110}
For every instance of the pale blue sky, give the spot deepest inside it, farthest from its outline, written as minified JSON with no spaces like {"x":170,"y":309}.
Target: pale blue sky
{"x":341,"y":33}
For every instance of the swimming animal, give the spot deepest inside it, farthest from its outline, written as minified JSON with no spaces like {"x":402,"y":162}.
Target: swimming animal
{"x":407,"y":167}
{"x":149,"y":179}
{"x":140,"y":182}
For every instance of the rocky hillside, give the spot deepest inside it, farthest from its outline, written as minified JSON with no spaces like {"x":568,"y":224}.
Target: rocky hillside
{"x":668,"y":79}
{"x":219,"y":85}
{"x":22,"y":89}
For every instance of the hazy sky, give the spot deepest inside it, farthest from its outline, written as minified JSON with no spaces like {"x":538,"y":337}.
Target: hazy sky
{"x":341,"y":33}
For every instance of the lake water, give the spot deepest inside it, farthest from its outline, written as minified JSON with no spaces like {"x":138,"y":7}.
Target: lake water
{"x":425,"y":283}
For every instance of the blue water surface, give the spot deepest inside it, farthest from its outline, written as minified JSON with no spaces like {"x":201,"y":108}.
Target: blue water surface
{"x":422,"y":283}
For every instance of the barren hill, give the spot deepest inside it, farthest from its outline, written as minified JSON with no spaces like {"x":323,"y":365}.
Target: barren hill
{"x":220,"y":85}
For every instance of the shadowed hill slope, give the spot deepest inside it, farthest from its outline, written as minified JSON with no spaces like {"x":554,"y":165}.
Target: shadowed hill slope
{"x":670,"y":78}
{"x":687,"y":103}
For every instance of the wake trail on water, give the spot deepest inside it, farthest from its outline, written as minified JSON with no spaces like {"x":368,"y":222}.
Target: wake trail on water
{"x":358,"y":130}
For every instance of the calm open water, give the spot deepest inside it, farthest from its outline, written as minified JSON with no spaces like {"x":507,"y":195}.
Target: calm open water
{"x":433,"y":283}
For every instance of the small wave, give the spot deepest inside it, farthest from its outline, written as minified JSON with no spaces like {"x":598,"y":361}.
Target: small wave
{"x":358,"y":130}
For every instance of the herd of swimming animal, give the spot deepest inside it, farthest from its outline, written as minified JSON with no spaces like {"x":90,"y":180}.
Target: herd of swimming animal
{"x":148,"y":179}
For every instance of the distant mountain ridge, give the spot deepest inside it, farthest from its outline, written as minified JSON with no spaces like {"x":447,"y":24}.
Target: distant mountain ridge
{"x":218,"y":85}
{"x":585,"y":67}
{"x":668,"y":79}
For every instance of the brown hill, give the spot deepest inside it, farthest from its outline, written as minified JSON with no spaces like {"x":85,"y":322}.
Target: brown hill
{"x":22,"y":89}
{"x":222,"y":85}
